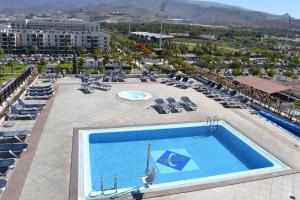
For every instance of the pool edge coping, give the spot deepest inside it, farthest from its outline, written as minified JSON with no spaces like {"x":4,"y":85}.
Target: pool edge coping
{"x":73,"y":186}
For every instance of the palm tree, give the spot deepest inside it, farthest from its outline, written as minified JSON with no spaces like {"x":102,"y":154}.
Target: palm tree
{"x":2,"y":53}
{"x":80,"y":64}
{"x":82,"y":51}
{"x":75,"y":70}
{"x":11,"y":65}
{"x":34,"y":48}
{"x":96,"y":53}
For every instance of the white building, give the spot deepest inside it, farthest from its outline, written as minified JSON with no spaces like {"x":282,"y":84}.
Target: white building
{"x":52,"y":35}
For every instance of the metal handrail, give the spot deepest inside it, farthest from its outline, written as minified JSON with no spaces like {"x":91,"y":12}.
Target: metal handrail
{"x":212,"y":122}
{"x":10,"y":88}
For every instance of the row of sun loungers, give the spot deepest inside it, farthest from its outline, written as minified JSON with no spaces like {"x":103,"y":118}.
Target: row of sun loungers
{"x":171,"y":105}
{"x":114,"y":76}
{"x":178,"y":81}
{"x":148,"y":75}
{"x":88,"y":88}
{"x":23,"y":111}
{"x":12,"y":144}
{"x":228,"y":98}
{"x":39,"y":92}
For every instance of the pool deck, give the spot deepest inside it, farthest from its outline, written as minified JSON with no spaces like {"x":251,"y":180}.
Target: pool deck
{"x":45,"y":170}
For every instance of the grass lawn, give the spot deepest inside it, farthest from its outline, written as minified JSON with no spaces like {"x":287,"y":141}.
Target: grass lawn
{"x":8,"y":75}
{"x":17,"y":68}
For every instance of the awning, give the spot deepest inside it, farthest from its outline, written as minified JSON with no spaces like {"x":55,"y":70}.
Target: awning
{"x":260,"y":84}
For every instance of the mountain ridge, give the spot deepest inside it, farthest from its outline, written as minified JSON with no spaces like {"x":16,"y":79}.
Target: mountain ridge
{"x":184,"y":9}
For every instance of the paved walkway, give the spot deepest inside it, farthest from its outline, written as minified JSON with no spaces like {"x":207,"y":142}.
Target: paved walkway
{"x":48,"y":178}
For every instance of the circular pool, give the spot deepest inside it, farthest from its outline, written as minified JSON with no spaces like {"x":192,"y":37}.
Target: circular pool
{"x":134,"y":95}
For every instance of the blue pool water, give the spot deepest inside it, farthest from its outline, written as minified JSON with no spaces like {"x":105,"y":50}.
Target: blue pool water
{"x":178,"y":153}
{"x":135,"y":95}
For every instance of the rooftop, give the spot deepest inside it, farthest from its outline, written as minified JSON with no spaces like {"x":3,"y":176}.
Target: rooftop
{"x":43,"y":172}
{"x":154,"y":35}
{"x":261,"y":84}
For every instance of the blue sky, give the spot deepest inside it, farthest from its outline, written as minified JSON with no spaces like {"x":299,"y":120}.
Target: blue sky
{"x":271,"y":6}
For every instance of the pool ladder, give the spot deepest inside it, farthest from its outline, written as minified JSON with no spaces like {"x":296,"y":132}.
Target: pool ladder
{"x":115,"y":185}
{"x":213,"y":123}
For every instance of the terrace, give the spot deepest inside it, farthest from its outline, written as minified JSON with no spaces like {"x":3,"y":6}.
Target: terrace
{"x":45,"y":169}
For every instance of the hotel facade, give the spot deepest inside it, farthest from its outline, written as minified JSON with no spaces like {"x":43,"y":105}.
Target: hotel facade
{"x":52,"y":35}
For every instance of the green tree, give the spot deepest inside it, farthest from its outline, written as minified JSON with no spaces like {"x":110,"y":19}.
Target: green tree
{"x":288,"y":73}
{"x":237,"y":71}
{"x":270,"y":72}
{"x":255,"y":71}
{"x":34,"y":48}
{"x":236,"y":63}
{"x":2,"y":53}
{"x":82,"y":51}
{"x":166,"y":55}
{"x":297,"y":103}
{"x":80,"y":64}
{"x":74,"y":70}
{"x":96,"y":53}
{"x":11,"y":65}
{"x":295,"y":61}
{"x":25,"y":51}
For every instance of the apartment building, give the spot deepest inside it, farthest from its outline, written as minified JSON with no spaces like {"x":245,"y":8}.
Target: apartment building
{"x":52,"y":35}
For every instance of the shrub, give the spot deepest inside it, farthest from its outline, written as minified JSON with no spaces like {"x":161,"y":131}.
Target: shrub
{"x":297,"y":103}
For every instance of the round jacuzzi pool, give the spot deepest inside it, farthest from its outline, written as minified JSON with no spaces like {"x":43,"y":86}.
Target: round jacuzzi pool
{"x":134,"y":95}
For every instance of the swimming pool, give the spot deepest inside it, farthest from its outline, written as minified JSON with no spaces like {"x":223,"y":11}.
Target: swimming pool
{"x":134,"y":95}
{"x":183,"y":154}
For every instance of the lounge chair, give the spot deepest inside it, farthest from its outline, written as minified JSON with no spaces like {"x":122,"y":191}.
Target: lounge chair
{"x":13,"y":150}
{"x":41,"y":87}
{"x":174,"y":81}
{"x":162,"y":105}
{"x":149,"y":179}
{"x":116,"y":77}
{"x":107,"y":76}
{"x":200,"y":86}
{"x":6,"y":164}
{"x":86,"y":88}
{"x":209,"y":88}
{"x":14,"y":113}
{"x":227,"y":95}
{"x":14,"y":136}
{"x":101,"y":86}
{"x":165,"y":80}
{"x":38,"y":97}
{"x":229,"y":103}
{"x":46,"y":93}
{"x":22,"y":111}
{"x":144,"y":78}
{"x":214,"y":92}
{"x":187,"y":84}
{"x":152,"y":76}
{"x":187,"y":103}
{"x":221,"y":95}
{"x":34,"y":106}
{"x":182,"y":82}
{"x":13,"y":116}
{"x":121,"y":77}
{"x":175,"y":106}
{"x":86,"y":78}
{"x":3,"y":183}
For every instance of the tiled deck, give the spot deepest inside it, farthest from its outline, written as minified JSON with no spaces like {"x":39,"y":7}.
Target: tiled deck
{"x":49,"y":174}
